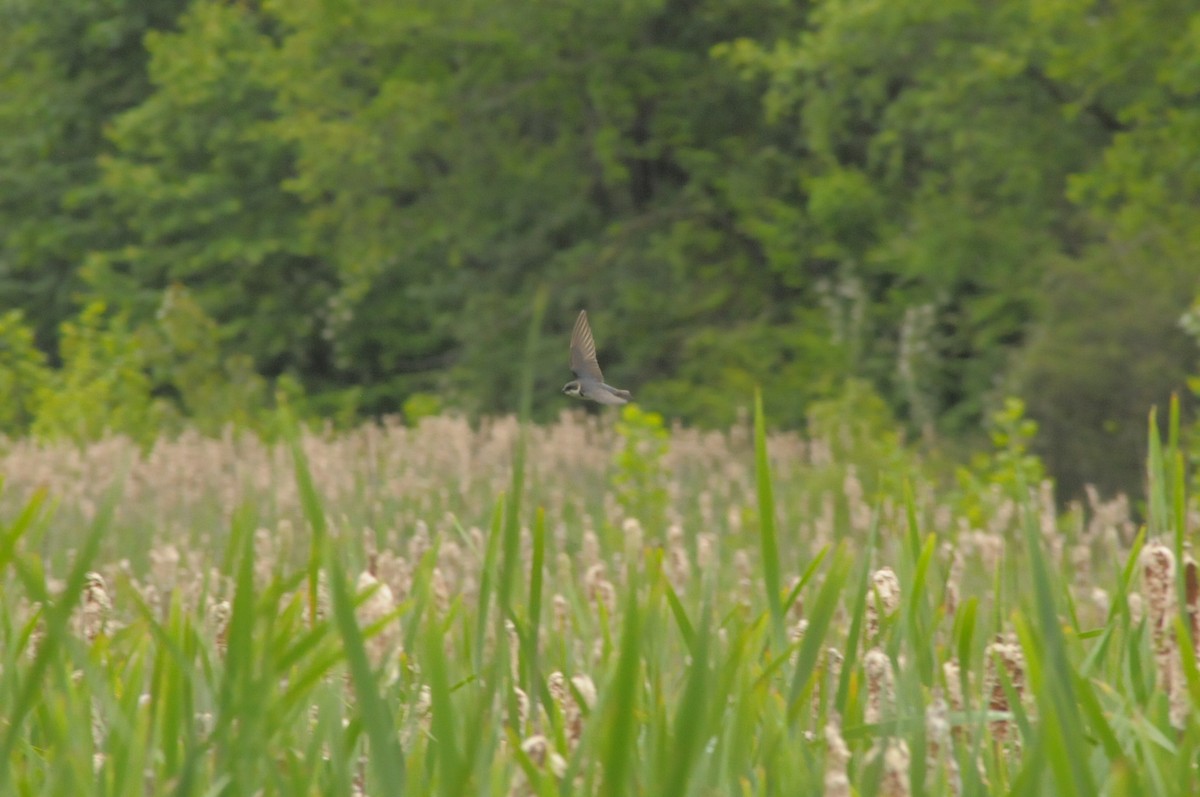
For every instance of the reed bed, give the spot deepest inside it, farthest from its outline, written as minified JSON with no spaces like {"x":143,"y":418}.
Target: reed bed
{"x":594,"y":606}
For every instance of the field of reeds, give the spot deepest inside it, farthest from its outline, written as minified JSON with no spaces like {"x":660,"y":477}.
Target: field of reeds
{"x":597,"y":606}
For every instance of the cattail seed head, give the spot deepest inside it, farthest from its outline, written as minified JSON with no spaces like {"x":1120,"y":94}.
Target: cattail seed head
{"x":837,"y":757}
{"x":97,"y":607}
{"x":881,"y":693}
{"x":883,"y":598}
{"x":1004,"y":655}
{"x":218,"y":624}
{"x":896,"y":763}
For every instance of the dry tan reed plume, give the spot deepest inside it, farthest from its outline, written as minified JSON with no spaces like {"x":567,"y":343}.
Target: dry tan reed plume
{"x":1158,"y":587}
{"x":837,"y":757}
{"x":952,"y":674}
{"x":218,"y":625}
{"x":96,"y":611}
{"x":896,"y":764}
{"x":521,"y":721}
{"x":562,"y":614}
{"x":883,"y":598}
{"x":599,"y":589}
{"x":881,"y":689}
{"x":958,"y":564}
{"x":939,"y":753}
{"x":1004,"y":655}
{"x":1191,"y":581}
{"x":544,"y":757}
{"x":881,"y":702}
{"x":379,"y":605}
{"x":564,"y":695}
{"x":678,"y":565}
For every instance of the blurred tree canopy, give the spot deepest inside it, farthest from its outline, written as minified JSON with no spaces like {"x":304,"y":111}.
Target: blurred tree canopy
{"x":954,"y":201}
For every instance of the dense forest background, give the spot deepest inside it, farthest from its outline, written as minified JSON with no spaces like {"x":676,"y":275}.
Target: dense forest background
{"x":914,"y":207}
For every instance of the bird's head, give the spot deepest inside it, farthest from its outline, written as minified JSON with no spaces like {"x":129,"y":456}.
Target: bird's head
{"x":573,"y":388}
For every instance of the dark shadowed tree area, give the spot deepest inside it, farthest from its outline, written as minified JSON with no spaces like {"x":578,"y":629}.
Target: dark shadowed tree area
{"x":354,"y":203}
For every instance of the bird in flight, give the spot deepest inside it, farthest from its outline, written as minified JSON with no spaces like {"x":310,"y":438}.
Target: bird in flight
{"x":589,"y":382}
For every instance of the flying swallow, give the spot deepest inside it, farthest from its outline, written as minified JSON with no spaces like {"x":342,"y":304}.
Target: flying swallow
{"x":589,"y":382}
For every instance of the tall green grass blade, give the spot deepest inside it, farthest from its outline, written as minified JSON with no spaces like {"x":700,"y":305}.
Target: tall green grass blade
{"x":536,"y":577}
{"x":313,"y":512}
{"x":1067,"y":748}
{"x":914,"y":526}
{"x":56,"y":620}
{"x":680,"y":615}
{"x":386,"y":758}
{"x":766,"y":520}
{"x":805,"y":577}
{"x":820,"y":617}
{"x":857,"y":613}
{"x":11,"y":535}
{"x":240,"y":699}
{"x":486,"y":576}
{"x":1156,"y":472}
{"x":689,"y":727}
{"x":445,"y":737}
{"x":621,"y":703}
{"x":512,"y":513}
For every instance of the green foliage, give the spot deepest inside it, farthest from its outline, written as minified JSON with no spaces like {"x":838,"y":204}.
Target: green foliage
{"x":797,"y":363}
{"x":639,"y":479}
{"x":1008,"y":471}
{"x":421,"y":405}
{"x":103,"y":386}
{"x":184,"y":357}
{"x":1191,"y":325}
{"x":23,"y":373}
{"x":142,"y":382}
{"x":198,"y":180}
{"x":860,"y":430}
{"x":65,"y":72}
{"x":1097,"y":360}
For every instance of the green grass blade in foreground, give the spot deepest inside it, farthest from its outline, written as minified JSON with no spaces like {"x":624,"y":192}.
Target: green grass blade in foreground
{"x":1156,"y":473}
{"x":56,"y":624}
{"x":1067,"y":748}
{"x":858,"y":613}
{"x":917,"y":615}
{"x":386,"y":758}
{"x":805,"y":577}
{"x":820,"y":617}
{"x":766,"y":521}
{"x":486,"y":576}
{"x":10,"y":536}
{"x":679,"y":613}
{"x":313,"y":511}
{"x":512,"y":514}
{"x":239,"y":736}
{"x":620,"y":703}
{"x":689,"y":727}
{"x":536,"y":578}
{"x":451,"y":772}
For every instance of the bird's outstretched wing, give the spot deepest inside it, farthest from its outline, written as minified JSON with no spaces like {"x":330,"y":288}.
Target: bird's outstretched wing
{"x":583,"y":350}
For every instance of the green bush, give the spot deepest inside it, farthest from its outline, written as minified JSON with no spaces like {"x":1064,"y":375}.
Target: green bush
{"x":103,"y":385}
{"x":23,"y":372}
{"x":184,"y":358}
{"x":640,"y":479}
